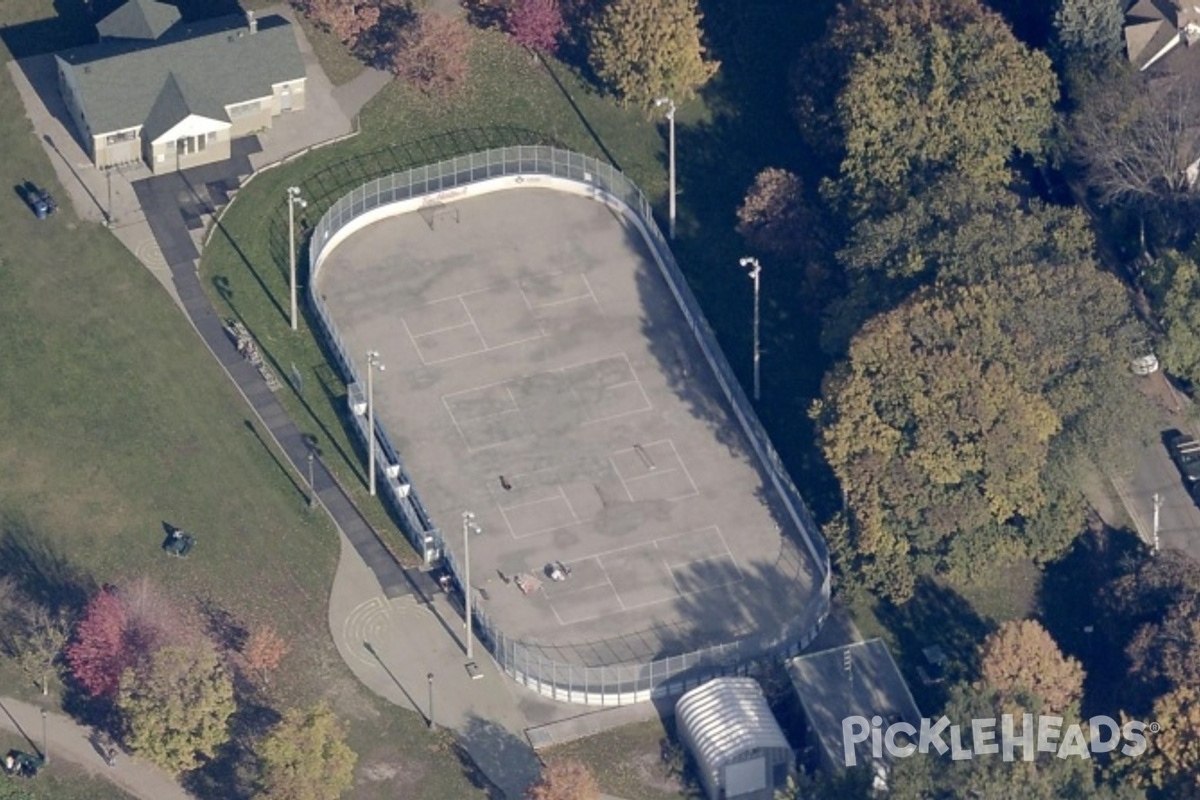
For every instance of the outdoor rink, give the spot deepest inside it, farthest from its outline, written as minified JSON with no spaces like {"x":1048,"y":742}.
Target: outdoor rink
{"x":540,"y":374}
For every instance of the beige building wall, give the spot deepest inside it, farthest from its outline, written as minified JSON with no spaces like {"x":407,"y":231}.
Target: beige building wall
{"x":171,"y":155}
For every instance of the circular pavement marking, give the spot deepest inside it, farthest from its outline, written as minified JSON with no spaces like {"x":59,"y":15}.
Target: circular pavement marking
{"x":366,"y":623}
{"x":149,"y":253}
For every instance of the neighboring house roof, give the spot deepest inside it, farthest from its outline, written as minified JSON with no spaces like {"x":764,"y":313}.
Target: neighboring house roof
{"x":859,"y":679}
{"x":195,"y":69}
{"x":726,"y":717}
{"x":139,"y":19}
{"x":1154,"y":29}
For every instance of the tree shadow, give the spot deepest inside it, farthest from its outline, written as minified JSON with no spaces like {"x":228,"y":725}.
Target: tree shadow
{"x":226,"y":630}
{"x":43,"y":574}
{"x":495,"y":760}
{"x":935,"y":615}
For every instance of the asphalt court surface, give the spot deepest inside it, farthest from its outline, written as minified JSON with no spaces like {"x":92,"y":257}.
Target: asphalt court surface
{"x":539,"y":373}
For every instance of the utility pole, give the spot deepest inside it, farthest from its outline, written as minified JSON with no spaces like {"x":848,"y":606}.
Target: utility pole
{"x":1157,"y":506}
{"x":755,"y":271}
{"x":670,"y":104}
{"x":432,"y":724}
{"x":312,"y":489}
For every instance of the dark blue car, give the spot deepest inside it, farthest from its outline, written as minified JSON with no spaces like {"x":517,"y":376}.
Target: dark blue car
{"x":39,"y":201}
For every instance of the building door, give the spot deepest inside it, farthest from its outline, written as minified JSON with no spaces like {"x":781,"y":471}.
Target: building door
{"x":285,"y":98}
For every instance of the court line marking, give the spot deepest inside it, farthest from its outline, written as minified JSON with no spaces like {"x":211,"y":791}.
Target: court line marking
{"x":655,"y":474}
{"x":441,"y":330}
{"x":474,"y":324}
{"x":624,"y":485}
{"x":531,"y":502}
{"x":727,"y":550}
{"x":413,"y":339}
{"x":683,"y":466}
{"x":588,"y":284}
{"x":566,"y":500}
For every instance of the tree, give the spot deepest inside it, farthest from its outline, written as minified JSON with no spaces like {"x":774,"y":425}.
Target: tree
{"x":305,"y":757}
{"x":1164,"y":654}
{"x":941,"y":423}
{"x":774,"y":217}
{"x":348,"y":20}
{"x":1088,"y":31}
{"x":645,"y":49}
{"x":1173,"y":757}
{"x":101,"y":652}
{"x":431,"y":53}
{"x":1137,"y":142}
{"x":176,"y":708}
{"x":41,"y":643}
{"x":957,"y":93}
{"x":536,"y":24}
{"x":264,"y":650}
{"x":1023,"y":658}
{"x":565,"y":780}
{"x":1173,"y":284}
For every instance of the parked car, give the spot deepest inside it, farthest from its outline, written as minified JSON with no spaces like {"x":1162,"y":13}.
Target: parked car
{"x":1185,"y":452}
{"x":39,"y":200}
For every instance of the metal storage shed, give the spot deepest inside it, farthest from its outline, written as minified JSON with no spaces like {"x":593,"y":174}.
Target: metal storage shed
{"x":739,"y":748}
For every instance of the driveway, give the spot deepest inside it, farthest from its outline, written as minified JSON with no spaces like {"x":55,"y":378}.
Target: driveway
{"x":1178,"y":517}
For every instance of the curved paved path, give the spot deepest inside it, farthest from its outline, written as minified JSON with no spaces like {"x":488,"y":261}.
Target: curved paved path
{"x":71,"y":741}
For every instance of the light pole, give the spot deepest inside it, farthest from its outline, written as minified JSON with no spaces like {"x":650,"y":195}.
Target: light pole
{"x":429,"y":678}
{"x":469,"y":527}
{"x":294,"y":199}
{"x":670,"y":104}
{"x":45,"y":741}
{"x":373,"y":363}
{"x":755,"y":271}
{"x":1157,"y":506}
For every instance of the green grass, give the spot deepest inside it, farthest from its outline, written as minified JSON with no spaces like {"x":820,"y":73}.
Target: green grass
{"x":626,"y":761}
{"x":116,"y":419}
{"x":59,"y":780}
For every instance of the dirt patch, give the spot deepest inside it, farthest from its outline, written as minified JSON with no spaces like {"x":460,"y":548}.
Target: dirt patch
{"x":382,"y":769}
{"x":651,"y":772}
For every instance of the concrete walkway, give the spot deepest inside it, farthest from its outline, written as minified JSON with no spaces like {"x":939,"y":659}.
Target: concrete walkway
{"x":72,"y":742}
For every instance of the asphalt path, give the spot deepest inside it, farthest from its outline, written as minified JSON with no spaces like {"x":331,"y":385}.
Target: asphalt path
{"x":1178,"y":516}
{"x":70,"y":741}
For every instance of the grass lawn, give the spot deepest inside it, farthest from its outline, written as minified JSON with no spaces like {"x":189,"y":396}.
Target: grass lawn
{"x":627,"y":761}
{"x":116,"y":420}
{"x":60,"y":780}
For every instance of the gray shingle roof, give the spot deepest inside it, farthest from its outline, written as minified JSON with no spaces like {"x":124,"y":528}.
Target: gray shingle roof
{"x":195,"y":69}
{"x":139,"y":19}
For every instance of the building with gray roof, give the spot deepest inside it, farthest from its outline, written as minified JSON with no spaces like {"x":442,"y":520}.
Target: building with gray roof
{"x":855,"y":680}
{"x":175,"y":94}
{"x":739,"y":748}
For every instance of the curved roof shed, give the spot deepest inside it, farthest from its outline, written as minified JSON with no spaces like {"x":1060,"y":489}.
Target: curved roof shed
{"x":739,"y":748}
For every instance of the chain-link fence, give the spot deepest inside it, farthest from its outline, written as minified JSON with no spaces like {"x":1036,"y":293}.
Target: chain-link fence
{"x":549,"y":670}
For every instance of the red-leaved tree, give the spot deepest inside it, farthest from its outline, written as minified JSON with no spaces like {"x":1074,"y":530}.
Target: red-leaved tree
{"x":431,"y":53}
{"x":348,"y":20}
{"x":264,"y":650}
{"x":536,"y":24}
{"x":98,"y":655}
{"x":119,"y":629}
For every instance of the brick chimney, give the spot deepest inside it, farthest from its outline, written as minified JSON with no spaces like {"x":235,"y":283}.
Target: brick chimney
{"x":252,"y":22}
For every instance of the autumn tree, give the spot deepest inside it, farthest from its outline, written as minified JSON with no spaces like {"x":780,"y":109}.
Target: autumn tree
{"x":432,"y":53}
{"x":1164,"y":654}
{"x":565,"y":779}
{"x":1172,"y":760}
{"x":774,"y":216}
{"x":263,"y":651}
{"x":101,"y":649}
{"x":940,"y":425}
{"x":535,"y":24}
{"x":305,"y":757}
{"x":949,"y":94}
{"x":645,"y":49}
{"x":41,"y":643}
{"x":1022,"y":658}
{"x":175,"y":708}
{"x":348,"y":20}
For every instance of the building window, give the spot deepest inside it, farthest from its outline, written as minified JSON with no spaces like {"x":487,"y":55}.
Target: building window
{"x":244,"y":109}
{"x":122,"y":136}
